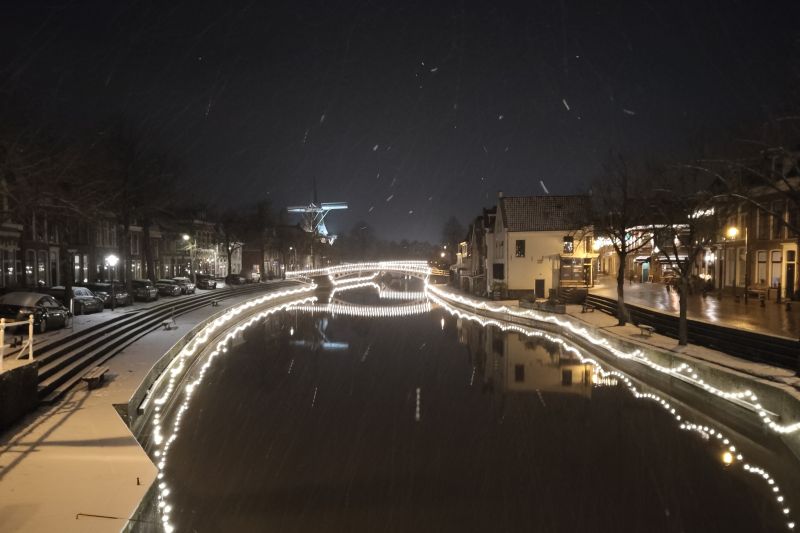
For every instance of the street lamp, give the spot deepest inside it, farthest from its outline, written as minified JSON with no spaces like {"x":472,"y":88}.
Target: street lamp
{"x":192,"y":247}
{"x":111,"y":261}
{"x":732,"y":233}
{"x":294,"y":261}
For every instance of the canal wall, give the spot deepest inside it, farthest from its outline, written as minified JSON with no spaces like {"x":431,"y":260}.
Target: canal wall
{"x":18,"y":393}
{"x":139,"y":411}
{"x":710,"y":370}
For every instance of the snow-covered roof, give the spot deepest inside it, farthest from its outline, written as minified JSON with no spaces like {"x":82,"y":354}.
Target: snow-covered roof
{"x":544,"y":213}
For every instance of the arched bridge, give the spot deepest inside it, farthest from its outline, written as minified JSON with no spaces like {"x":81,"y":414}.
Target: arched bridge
{"x":365,"y":272}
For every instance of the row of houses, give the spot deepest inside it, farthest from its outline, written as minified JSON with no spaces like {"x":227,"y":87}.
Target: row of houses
{"x":44,"y":253}
{"x":524,"y":246}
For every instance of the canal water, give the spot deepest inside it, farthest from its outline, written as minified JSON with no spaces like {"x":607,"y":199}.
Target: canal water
{"x":378,"y":413}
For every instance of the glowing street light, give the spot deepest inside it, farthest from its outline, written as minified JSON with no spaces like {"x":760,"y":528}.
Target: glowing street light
{"x":732,"y":233}
{"x":112,"y":261}
{"x":192,"y":247}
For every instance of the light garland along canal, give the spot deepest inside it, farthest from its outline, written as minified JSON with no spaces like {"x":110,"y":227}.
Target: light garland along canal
{"x":375,"y":408}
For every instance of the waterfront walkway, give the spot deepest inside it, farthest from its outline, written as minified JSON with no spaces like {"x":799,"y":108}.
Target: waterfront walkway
{"x":75,"y":466}
{"x":772,"y":318}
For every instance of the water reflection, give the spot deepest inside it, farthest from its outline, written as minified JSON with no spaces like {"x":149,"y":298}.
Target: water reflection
{"x":518,"y":363}
{"x":485,"y":426}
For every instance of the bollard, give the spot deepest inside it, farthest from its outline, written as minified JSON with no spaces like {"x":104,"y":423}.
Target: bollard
{"x":30,"y":337}
{"x":2,"y":341}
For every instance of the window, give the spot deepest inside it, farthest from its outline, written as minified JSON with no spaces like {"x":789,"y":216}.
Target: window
{"x":761,"y":267}
{"x":519,"y":373}
{"x":569,"y":245}
{"x":777,"y":224}
{"x":498,"y":271}
{"x":763,"y":226}
{"x":775,"y":270}
{"x":134,"y":244}
{"x":41,"y":267}
{"x":794,"y":220}
{"x":520,"y":248}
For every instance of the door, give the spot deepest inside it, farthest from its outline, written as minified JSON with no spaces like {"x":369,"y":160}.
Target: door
{"x":789,"y":280}
{"x":645,"y":272}
{"x":539,"y":288}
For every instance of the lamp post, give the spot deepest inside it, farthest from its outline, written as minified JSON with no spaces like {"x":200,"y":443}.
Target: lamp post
{"x":192,"y":247}
{"x":111,"y":261}
{"x":732,"y":233}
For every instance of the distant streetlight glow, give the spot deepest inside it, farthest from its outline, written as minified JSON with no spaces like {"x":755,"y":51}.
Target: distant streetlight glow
{"x":733,"y":232}
{"x":727,"y":458}
{"x":112,"y":261}
{"x":442,"y":254}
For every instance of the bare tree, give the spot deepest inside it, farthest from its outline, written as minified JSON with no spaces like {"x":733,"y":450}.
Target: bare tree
{"x":139,"y":179}
{"x":685,"y":219}
{"x":761,"y":169}
{"x":452,"y":234}
{"x":620,"y":215}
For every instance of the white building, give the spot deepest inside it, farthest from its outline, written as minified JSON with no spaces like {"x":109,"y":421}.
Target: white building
{"x":539,"y":243}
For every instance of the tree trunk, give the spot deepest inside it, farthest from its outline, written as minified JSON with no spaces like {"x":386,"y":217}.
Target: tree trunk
{"x":683,"y":330}
{"x":147,"y":250}
{"x":23,"y":250}
{"x":622,"y":311}
{"x":68,"y":269}
{"x":124,"y":274}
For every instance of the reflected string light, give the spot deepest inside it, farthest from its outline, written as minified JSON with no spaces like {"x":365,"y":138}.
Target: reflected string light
{"x":683,"y":371}
{"x":706,"y":432}
{"x":372,"y":311}
{"x":385,"y":294}
{"x":182,"y":361}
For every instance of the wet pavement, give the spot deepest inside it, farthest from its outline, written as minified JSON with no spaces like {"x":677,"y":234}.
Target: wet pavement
{"x":772,"y":318}
{"x":427,"y":422}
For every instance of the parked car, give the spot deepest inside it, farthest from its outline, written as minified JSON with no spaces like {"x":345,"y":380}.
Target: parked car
{"x":102,"y":290}
{"x":204,"y":281}
{"x":187,"y":287}
{"x":47,"y":312}
{"x":235,"y":279}
{"x":168,"y":287}
{"x":83,"y":300}
{"x":144,"y":290}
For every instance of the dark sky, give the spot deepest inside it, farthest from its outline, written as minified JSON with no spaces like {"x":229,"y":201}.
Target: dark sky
{"x":410,"y":111}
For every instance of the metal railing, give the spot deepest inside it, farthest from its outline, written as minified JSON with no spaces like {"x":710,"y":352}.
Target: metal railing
{"x":27,"y":345}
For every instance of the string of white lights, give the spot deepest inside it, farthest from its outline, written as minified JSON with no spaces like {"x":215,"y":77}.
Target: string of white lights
{"x":385,"y":294}
{"x":198,"y":343}
{"x":684,"y":371}
{"x":372,"y":311}
{"x":411,"y":267}
{"x":350,"y":281}
{"x":729,"y":452}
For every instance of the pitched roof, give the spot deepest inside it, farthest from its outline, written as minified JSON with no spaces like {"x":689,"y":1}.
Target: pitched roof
{"x":544,"y":213}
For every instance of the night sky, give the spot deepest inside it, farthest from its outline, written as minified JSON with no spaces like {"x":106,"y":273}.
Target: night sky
{"x":411,"y":111}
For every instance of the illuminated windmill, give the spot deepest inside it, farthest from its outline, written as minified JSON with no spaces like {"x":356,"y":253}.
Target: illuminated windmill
{"x":314,"y":216}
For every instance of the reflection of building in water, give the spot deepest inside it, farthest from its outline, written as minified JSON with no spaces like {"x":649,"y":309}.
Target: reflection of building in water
{"x":517,"y":363}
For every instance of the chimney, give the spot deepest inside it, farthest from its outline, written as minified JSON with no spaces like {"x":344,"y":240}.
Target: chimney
{"x":499,"y":194}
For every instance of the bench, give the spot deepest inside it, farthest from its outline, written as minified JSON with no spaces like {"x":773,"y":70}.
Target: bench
{"x":645,"y":330}
{"x":169,"y":324}
{"x":587,"y":308}
{"x":95,"y":376}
